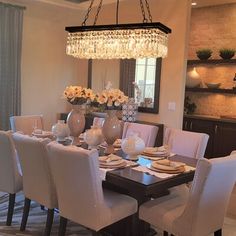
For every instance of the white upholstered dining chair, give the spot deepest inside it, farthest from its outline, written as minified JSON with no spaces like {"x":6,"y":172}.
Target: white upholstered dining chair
{"x":38,"y":184}
{"x":81,"y":197}
{"x":26,"y":124}
{"x":186,"y":143}
{"x":10,"y":172}
{"x":232,"y":202}
{"x":204,"y":210}
{"x":147,"y":132}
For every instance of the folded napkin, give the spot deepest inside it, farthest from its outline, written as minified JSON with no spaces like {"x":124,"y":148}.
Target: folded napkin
{"x":156,"y":150}
{"x":173,"y":164}
{"x":109,"y":158}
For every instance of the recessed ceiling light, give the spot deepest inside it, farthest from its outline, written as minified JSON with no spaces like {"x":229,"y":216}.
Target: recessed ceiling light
{"x":194,"y":4}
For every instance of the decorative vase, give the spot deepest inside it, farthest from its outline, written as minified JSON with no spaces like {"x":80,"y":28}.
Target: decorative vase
{"x":76,"y":120}
{"x":129,"y":110}
{"x":111,"y":130}
{"x":60,"y":130}
{"x":193,"y":79}
{"x":133,"y":146}
{"x":93,"y":137}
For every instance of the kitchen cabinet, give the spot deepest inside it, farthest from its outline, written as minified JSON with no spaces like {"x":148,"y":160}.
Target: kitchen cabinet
{"x":222,"y":133}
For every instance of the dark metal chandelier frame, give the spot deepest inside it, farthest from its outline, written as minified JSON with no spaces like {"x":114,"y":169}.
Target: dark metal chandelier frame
{"x":94,"y":27}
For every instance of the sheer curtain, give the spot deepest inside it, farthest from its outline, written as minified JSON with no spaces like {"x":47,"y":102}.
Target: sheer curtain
{"x":11,"y":24}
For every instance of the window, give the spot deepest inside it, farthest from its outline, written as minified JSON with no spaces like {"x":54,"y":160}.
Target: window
{"x":145,"y":77}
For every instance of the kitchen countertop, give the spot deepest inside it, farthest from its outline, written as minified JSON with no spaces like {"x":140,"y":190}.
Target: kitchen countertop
{"x":226,"y":119}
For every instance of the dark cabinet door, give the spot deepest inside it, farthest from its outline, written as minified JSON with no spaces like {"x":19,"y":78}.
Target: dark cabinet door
{"x":225,"y":139}
{"x":202,"y":126}
{"x":207,"y":127}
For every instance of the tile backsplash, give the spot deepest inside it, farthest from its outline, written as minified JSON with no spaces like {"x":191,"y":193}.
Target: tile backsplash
{"x":214,"y":104}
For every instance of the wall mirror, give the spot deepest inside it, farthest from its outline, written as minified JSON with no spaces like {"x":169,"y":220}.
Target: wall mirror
{"x":122,"y":73}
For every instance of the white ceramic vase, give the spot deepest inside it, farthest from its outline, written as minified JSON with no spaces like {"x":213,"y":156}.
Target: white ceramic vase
{"x":133,"y":146}
{"x":76,"y":120}
{"x":111,"y":130}
{"x":60,"y":130}
{"x":193,"y":79}
{"x":93,"y":137}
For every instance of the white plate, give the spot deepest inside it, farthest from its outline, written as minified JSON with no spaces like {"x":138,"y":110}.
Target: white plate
{"x":112,"y":163}
{"x":109,"y":158}
{"x":44,"y":134}
{"x":164,"y":169}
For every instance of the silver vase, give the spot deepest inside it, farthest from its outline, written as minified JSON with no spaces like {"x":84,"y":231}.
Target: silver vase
{"x":111,"y":130}
{"x":76,"y":120}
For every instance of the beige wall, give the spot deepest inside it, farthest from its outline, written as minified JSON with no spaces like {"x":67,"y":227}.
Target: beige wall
{"x":46,"y":69}
{"x":175,"y":14}
{"x":214,"y":27}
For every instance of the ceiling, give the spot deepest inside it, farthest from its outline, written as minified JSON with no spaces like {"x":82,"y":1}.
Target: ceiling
{"x":83,"y":4}
{"x":203,"y":3}
{"x":76,"y":4}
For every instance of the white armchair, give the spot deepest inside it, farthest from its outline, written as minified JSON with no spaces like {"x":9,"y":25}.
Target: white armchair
{"x":204,"y":210}
{"x":38,"y":184}
{"x":26,"y":124}
{"x":186,"y":143}
{"x":232,"y":202}
{"x":81,"y":197}
{"x":10,"y":173}
{"x":146,"y":132}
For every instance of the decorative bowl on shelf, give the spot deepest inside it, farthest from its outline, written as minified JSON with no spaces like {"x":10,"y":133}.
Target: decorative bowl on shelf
{"x":213,"y":85}
{"x":226,"y":53}
{"x":204,"y":53}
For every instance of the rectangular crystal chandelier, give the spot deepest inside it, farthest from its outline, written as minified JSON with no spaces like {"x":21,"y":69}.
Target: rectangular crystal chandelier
{"x":119,"y":41}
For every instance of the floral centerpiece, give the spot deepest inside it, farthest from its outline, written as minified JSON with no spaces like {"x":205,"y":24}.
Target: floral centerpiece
{"x":77,"y":95}
{"x":112,"y":99}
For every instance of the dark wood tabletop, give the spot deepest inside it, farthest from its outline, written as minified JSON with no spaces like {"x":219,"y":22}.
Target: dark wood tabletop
{"x":142,"y":185}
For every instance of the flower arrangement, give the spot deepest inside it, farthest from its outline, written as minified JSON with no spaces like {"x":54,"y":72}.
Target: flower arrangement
{"x":111,"y":98}
{"x":77,"y":95}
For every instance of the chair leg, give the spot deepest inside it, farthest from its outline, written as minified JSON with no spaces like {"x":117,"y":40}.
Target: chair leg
{"x":10,"y":208}
{"x":218,"y":232}
{"x":94,"y":233}
{"x":62,"y":226}
{"x":165,"y":233}
{"x":49,"y":222}
{"x":25,"y":214}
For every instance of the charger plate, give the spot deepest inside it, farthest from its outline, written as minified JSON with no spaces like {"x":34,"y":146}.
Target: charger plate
{"x":113,"y":164}
{"x":166,"y":169}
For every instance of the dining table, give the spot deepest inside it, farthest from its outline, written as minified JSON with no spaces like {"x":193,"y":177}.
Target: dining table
{"x":143,"y":186}
{"x":137,"y":180}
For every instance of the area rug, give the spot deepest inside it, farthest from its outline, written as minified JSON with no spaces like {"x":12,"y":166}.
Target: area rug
{"x":36,"y":220}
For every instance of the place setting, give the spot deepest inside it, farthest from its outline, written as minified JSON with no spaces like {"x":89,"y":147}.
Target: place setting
{"x":156,"y":153}
{"x":38,"y":133}
{"x":113,"y":161}
{"x":116,"y":144}
{"x":167,"y":166}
